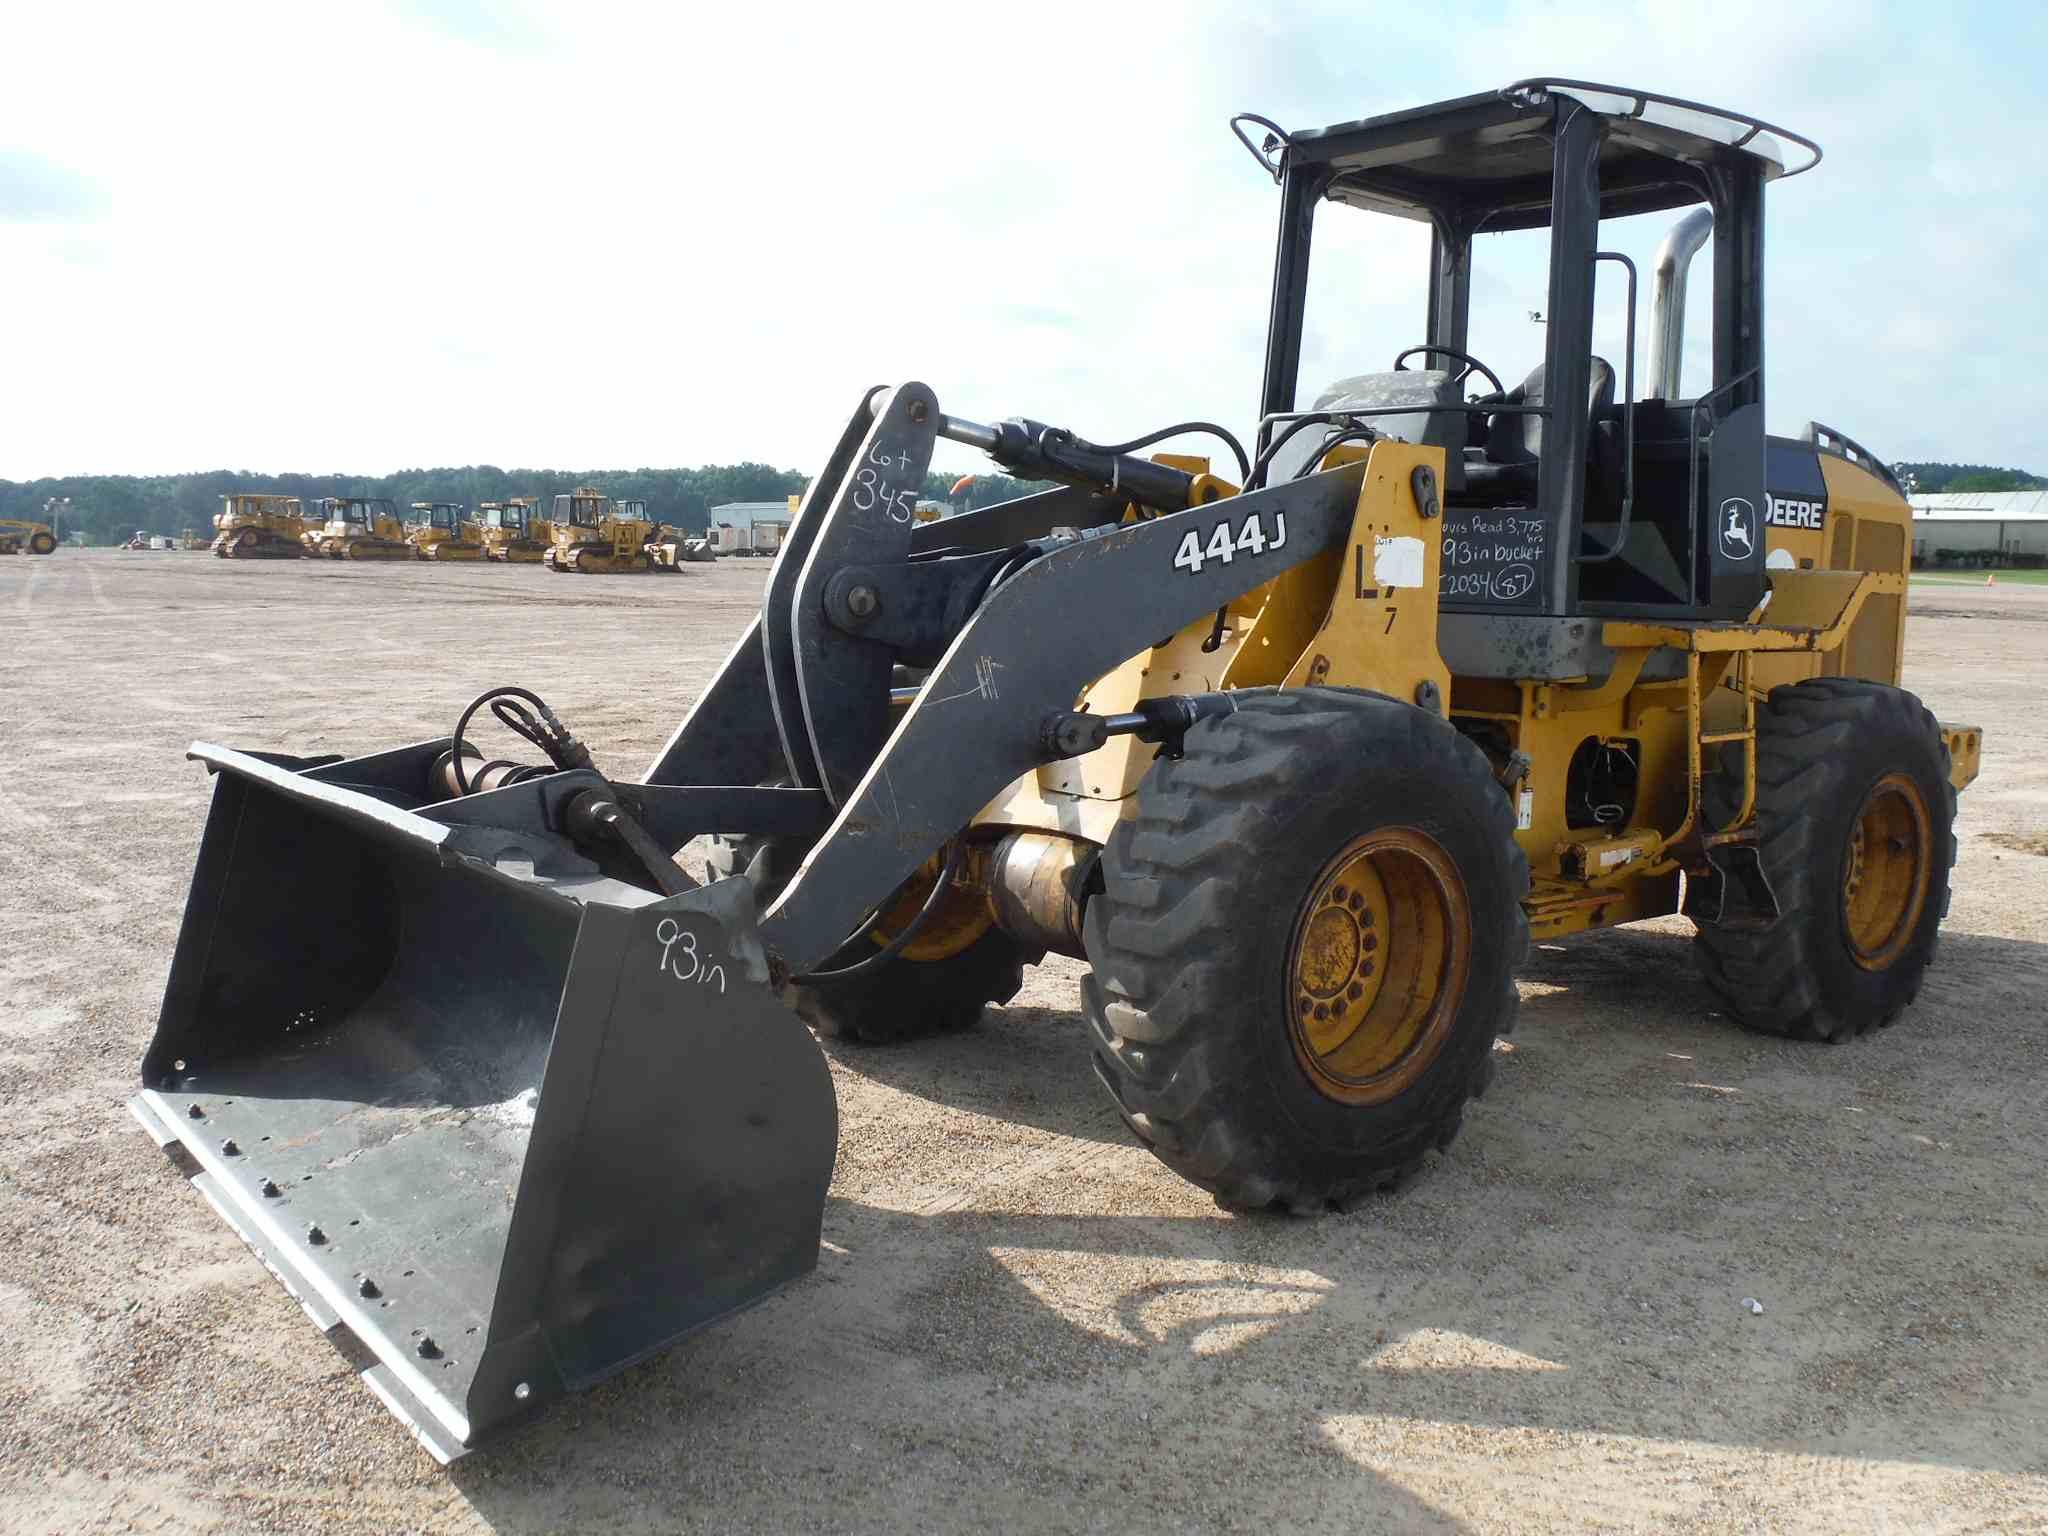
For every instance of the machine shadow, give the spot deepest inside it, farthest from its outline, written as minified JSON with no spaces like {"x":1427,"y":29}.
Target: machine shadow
{"x":1024,"y":1064}
{"x":928,"y":1335}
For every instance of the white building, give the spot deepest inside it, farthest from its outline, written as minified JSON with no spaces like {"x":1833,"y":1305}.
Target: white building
{"x":748,"y":527}
{"x":744,"y":514}
{"x":1980,"y":527}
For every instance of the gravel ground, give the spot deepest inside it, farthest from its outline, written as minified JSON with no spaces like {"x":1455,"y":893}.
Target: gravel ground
{"x":1020,"y":1320}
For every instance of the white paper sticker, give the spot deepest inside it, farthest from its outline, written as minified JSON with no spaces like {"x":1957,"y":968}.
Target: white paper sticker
{"x":1610,"y":857}
{"x":1397,"y":562}
{"x":1525,"y":810}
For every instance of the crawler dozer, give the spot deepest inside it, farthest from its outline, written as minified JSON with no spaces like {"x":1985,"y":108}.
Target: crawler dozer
{"x":512,"y":533}
{"x":440,"y":532}
{"x":20,"y":536}
{"x":596,"y":536}
{"x":1296,"y":751}
{"x":254,"y":526}
{"x":359,"y":528}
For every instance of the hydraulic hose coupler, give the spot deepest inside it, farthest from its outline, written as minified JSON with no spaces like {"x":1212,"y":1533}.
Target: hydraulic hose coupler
{"x":1163,"y":721}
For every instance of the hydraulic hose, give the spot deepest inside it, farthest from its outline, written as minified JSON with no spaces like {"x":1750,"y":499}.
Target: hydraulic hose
{"x":539,"y":725}
{"x":901,"y":941}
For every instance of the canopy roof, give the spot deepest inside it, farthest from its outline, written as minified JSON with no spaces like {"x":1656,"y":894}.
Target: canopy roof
{"x":1490,"y":155}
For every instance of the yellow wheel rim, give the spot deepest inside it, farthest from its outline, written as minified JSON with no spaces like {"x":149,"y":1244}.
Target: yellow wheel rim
{"x":1377,"y":965}
{"x":962,"y":917}
{"x":1887,"y":871}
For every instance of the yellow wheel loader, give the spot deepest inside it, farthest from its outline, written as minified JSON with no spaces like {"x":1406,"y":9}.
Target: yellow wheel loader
{"x":1295,"y":752}
{"x":19,"y":536}
{"x":512,"y":533}
{"x":359,"y":528}
{"x":439,"y":531}
{"x":255,"y":526}
{"x":596,"y":536}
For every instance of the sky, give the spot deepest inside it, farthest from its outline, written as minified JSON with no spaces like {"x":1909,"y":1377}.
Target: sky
{"x":604,"y":235}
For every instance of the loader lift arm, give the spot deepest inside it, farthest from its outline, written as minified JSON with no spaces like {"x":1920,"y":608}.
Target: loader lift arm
{"x":1008,"y":664}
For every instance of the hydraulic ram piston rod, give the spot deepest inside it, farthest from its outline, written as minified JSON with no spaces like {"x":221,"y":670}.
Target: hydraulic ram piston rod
{"x":1032,"y":448}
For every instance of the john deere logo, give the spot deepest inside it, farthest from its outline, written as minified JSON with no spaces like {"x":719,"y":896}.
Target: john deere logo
{"x":1738,"y":528}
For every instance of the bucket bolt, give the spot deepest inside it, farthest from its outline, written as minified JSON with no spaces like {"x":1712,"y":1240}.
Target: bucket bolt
{"x":426,"y":1348}
{"x":270,"y":1189}
{"x":314,"y":1234}
{"x":367,"y":1288}
{"x":229,"y":1147}
{"x":196,"y":1112}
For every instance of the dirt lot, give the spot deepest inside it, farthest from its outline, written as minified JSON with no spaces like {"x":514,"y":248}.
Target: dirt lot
{"x":1020,"y":1320}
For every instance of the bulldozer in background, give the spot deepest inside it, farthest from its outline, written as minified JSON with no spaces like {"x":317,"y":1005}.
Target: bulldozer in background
{"x":512,"y":533}
{"x":1295,"y":756}
{"x":19,"y":535}
{"x":596,"y":536}
{"x":253,"y":525}
{"x":439,"y":531}
{"x":358,"y":528}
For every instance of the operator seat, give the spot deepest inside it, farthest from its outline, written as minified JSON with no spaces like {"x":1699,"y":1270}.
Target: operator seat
{"x":1514,"y":439}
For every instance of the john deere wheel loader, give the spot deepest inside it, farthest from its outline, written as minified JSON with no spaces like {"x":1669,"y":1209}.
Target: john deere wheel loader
{"x":254,"y":526}
{"x":1295,"y":757}
{"x":512,"y":533}
{"x":440,"y":532}
{"x":359,"y":528}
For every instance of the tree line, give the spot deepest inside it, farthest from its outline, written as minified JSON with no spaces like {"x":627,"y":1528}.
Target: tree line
{"x":108,"y":508}
{"x":1933,"y":478}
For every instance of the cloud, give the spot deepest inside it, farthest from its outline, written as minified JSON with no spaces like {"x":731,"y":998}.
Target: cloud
{"x":33,"y":189}
{"x":608,"y":233}
{"x":492,"y":24}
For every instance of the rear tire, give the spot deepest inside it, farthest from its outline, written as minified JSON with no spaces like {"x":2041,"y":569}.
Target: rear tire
{"x":903,"y":999}
{"x":910,"y":999}
{"x":1855,"y":822}
{"x":1226,"y":898}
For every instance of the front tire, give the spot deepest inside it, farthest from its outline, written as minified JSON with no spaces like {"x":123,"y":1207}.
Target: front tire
{"x":1306,"y":946}
{"x":1855,"y":823}
{"x":42,"y":544}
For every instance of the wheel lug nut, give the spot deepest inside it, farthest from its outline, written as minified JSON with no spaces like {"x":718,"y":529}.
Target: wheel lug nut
{"x":1371,"y":942}
{"x":1365,"y":969}
{"x":1322,"y":1012}
{"x":1340,"y":892}
{"x":1357,"y":901}
{"x":1355,"y":992}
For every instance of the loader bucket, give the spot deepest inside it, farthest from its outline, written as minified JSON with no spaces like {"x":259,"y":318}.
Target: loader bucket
{"x":501,"y":1125}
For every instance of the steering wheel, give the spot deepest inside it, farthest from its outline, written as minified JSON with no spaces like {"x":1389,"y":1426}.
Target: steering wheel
{"x":1472,"y":366}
